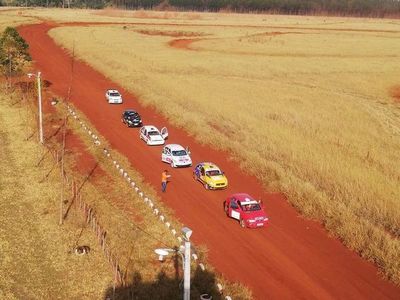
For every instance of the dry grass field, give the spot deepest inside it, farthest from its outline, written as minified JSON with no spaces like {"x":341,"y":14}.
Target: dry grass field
{"x":304,"y":103}
{"x":11,"y":17}
{"x":36,"y":257}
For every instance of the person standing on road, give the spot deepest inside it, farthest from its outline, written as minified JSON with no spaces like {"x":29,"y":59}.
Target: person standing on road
{"x":164,"y":180}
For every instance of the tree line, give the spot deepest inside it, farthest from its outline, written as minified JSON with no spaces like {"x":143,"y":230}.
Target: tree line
{"x":373,"y":8}
{"x":14,"y":54}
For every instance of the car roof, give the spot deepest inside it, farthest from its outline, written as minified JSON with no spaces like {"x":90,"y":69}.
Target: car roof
{"x":130,"y":110}
{"x":175,"y":147}
{"x":209,"y":166}
{"x":242,"y":197}
{"x":248,"y":202}
{"x":150,"y":127}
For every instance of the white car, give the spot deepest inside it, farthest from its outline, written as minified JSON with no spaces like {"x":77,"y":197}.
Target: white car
{"x":113,"y":96}
{"x":152,"y":136}
{"x":176,"y":155}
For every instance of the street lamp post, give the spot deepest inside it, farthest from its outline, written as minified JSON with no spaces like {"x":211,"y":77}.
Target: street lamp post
{"x":39,"y":83}
{"x":185,"y":255}
{"x":186,"y":266}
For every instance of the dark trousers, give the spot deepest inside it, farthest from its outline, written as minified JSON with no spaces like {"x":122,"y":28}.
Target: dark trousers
{"x":163,"y":186}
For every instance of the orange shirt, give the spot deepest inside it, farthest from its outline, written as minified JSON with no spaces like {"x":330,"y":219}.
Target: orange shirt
{"x":164,"y":177}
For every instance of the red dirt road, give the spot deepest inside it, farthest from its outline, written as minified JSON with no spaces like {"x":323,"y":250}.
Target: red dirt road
{"x":291,"y":259}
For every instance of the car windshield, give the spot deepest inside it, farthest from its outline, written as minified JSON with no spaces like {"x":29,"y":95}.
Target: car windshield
{"x":213,"y":173}
{"x":179,"y":153}
{"x":115,"y":95}
{"x":251,"y":207}
{"x":153,"y":133}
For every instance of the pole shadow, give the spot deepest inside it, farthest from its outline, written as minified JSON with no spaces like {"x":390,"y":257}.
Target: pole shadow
{"x":165,"y":287}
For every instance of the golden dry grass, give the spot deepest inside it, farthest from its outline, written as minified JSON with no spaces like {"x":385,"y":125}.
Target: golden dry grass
{"x":36,"y":259}
{"x":301,"y":102}
{"x":13,"y":17}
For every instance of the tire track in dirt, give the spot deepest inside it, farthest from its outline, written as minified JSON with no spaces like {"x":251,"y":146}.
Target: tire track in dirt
{"x":293,"y":258}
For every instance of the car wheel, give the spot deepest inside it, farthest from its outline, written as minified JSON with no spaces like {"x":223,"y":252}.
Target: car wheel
{"x":172,"y":164}
{"x":194,"y":176}
{"x":226,"y":209}
{"x":206,"y":186}
{"x":242,"y":223}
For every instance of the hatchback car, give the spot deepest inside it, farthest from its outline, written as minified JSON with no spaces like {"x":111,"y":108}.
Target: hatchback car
{"x":176,"y":156}
{"x":249,"y":212}
{"x":152,"y":136}
{"x":131,"y":118}
{"x":210,"y":176}
{"x":113,"y":97}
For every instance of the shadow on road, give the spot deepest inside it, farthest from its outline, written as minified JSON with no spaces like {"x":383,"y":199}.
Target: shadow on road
{"x":165,"y":287}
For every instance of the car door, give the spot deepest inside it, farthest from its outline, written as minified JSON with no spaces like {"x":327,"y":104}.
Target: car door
{"x":202,"y":173}
{"x":166,"y":155}
{"x":187,"y":150}
{"x":143,"y":134}
{"x":164,"y":133}
{"x":169,"y":155}
{"x":234,"y":209}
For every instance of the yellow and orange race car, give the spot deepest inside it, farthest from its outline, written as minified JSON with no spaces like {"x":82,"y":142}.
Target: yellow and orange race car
{"x":210,"y":176}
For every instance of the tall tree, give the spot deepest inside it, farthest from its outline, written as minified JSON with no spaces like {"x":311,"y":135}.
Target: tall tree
{"x":13,"y":52}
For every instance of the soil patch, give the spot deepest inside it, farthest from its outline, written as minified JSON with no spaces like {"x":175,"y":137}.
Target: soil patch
{"x":395,"y":93}
{"x":171,"y":33}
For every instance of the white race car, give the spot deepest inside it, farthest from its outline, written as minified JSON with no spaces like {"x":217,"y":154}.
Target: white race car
{"x":113,"y":96}
{"x":152,"y":136}
{"x":176,"y":155}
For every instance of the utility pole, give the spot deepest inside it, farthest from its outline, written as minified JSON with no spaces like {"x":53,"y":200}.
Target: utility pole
{"x":40,"y":107}
{"x":39,"y":84}
{"x":62,"y":173}
{"x":187,"y":233}
{"x":186,"y":271}
{"x":184,"y":252}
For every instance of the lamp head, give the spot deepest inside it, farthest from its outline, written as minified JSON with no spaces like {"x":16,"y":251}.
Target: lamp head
{"x":161,"y":254}
{"x":187,"y":233}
